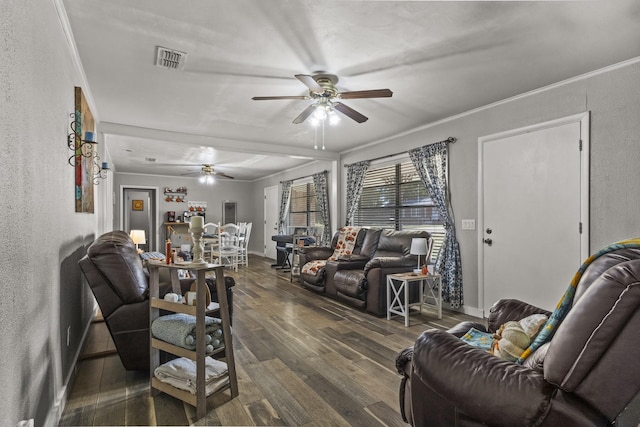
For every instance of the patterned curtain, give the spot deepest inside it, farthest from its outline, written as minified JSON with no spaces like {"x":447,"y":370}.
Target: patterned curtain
{"x":284,"y":205}
{"x":355,"y":180}
{"x":322,"y":200}
{"x":431,"y":163}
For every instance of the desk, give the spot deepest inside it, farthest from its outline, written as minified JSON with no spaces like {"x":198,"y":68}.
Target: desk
{"x":282,"y":240}
{"x":399,"y":284}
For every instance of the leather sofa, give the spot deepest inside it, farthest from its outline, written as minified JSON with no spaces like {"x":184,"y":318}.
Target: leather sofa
{"x":360,"y":280}
{"x":114,"y":271}
{"x":587,"y":375}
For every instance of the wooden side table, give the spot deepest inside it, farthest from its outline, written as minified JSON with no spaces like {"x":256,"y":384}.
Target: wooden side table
{"x":398,"y":293}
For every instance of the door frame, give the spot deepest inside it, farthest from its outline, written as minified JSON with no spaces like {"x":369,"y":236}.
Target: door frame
{"x":266,"y":235}
{"x":156,"y":223}
{"x":584,"y":120}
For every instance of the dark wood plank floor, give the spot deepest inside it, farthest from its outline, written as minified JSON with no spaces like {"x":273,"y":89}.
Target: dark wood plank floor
{"x":301,"y":359}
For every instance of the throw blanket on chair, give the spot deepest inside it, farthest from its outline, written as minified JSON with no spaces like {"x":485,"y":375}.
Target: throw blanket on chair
{"x":344,"y":247}
{"x":564,"y":305}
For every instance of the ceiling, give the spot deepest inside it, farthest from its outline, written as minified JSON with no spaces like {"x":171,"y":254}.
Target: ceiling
{"x":439,"y":58}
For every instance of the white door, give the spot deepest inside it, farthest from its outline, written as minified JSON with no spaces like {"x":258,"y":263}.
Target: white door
{"x":532,"y":209}
{"x":271,"y":211}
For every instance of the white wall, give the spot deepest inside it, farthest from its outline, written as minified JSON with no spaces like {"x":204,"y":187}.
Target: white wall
{"x":257,"y":195}
{"x":613,"y":98}
{"x":42,"y":290}
{"x":214,"y":195}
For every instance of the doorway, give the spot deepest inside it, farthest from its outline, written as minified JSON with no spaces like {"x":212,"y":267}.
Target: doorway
{"x":533,"y":211}
{"x":139,"y":212}
{"x":270,"y":221}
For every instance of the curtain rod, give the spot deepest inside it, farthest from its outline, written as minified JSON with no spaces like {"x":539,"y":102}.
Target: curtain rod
{"x":303,"y":177}
{"x":449,"y":140}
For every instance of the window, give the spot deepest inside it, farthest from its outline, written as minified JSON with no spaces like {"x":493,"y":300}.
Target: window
{"x":303,"y":210}
{"x":394,"y":197}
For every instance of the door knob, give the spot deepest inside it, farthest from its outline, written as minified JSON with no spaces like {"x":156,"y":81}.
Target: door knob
{"x":488,"y":241}
{"x":489,"y":231}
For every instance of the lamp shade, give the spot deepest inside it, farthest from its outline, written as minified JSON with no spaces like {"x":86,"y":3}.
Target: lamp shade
{"x":418,"y":246}
{"x":138,"y":237}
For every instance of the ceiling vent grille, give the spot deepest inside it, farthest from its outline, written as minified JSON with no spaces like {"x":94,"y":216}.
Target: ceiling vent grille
{"x":170,"y":59}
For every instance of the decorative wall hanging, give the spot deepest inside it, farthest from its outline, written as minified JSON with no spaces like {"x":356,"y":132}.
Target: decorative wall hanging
{"x":138,"y":205}
{"x":83,"y":124}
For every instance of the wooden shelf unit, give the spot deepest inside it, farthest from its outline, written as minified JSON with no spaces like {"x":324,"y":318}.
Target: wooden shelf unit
{"x":199,"y":400}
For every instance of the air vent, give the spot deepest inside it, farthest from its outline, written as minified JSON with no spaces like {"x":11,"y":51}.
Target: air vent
{"x":170,"y":59}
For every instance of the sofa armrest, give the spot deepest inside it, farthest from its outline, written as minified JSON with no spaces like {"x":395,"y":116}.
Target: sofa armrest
{"x":389,"y":262}
{"x":486,"y":388}
{"x":312,"y":253}
{"x":403,"y":366}
{"x":354,"y":262}
{"x":511,"y":309}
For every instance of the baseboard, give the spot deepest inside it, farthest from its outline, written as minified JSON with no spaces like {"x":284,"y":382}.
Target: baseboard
{"x":471,"y":311}
{"x":57,"y":408}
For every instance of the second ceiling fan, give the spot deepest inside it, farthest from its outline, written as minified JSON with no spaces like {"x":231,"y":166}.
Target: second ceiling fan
{"x":207,"y":171}
{"x":322,"y":89}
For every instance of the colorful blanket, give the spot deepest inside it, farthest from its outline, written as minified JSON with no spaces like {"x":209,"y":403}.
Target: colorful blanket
{"x":565,"y":303}
{"x":344,"y":247}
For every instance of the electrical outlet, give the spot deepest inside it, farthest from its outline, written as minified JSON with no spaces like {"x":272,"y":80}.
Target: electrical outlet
{"x":68,"y":335}
{"x":468,"y":224}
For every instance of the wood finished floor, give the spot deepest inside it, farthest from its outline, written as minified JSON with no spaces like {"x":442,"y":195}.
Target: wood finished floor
{"x":301,"y":360}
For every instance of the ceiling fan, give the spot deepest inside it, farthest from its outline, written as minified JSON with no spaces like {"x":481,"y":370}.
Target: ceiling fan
{"x":207,"y":171}
{"x":322,"y":89}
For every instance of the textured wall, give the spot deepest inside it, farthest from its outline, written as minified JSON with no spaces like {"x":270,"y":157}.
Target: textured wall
{"x":235,"y":191}
{"x":614,"y":101}
{"x":41,"y":287}
{"x":303,"y":171}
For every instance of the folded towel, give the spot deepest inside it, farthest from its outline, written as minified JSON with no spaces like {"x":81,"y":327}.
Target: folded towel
{"x":180,"y":329}
{"x":181,"y":373}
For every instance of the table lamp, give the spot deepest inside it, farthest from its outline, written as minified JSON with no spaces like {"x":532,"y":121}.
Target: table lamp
{"x":418,"y":247}
{"x":138,"y":237}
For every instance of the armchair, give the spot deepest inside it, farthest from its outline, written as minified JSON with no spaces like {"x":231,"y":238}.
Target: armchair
{"x":587,"y":375}
{"x":317,"y":281}
{"x":114,"y":271}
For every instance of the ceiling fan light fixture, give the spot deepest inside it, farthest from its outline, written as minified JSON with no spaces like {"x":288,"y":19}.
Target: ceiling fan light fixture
{"x":320,"y":113}
{"x":334,"y":118}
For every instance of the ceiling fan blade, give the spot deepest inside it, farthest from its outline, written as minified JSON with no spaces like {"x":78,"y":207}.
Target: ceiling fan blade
{"x":375,"y":93}
{"x":310,"y":82}
{"x":350,"y":112}
{"x":305,"y":114}
{"x":224,"y":175}
{"x":269,"y":98}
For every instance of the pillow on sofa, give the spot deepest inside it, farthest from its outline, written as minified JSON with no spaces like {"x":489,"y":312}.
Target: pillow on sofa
{"x":510,"y":340}
{"x":513,"y":338}
{"x":344,"y":247}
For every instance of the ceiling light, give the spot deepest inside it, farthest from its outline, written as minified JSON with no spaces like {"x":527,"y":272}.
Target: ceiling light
{"x":334,"y":119}
{"x":207,"y":179}
{"x":320,"y":113}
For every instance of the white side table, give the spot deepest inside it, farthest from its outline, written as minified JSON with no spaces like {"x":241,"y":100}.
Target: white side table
{"x":398,"y":293}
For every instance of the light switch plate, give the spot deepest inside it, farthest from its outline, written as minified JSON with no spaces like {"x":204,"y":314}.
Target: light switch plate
{"x":468,"y":224}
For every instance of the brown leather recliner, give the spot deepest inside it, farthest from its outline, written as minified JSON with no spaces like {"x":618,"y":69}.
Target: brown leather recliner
{"x":360,"y":279}
{"x":120,"y":284}
{"x":317,"y":282}
{"x":587,"y":375}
